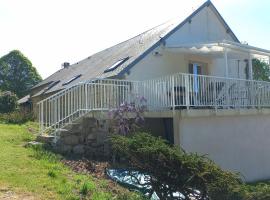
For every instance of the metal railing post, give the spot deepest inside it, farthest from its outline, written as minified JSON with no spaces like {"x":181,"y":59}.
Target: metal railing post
{"x":187,"y":92}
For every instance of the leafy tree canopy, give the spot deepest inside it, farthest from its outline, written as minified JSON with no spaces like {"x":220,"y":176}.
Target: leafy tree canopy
{"x":261,"y":70}
{"x":8,"y":102}
{"x":17,"y":74}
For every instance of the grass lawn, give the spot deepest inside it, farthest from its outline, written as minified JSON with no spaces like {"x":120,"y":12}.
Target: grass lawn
{"x":41,"y":175}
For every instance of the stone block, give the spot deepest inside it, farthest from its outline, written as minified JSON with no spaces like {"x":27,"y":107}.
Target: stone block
{"x":78,"y":149}
{"x":64,"y":149}
{"x":70,"y":140}
{"x":45,"y":138}
{"x":33,"y":144}
{"x":92,"y":136}
{"x":90,"y":122}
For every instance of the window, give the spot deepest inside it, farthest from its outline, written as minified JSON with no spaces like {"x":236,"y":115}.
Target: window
{"x":51,"y":85}
{"x":196,"y":69}
{"x":72,"y":79}
{"x":116,"y":64}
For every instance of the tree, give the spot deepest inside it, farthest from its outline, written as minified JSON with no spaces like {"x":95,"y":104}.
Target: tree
{"x":261,"y":70}
{"x":8,"y":102}
{"x":17,"y":73}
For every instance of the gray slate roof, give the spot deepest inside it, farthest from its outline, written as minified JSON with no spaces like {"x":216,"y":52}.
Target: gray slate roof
{"x":94,"y":66}
{"x":134,"y":48}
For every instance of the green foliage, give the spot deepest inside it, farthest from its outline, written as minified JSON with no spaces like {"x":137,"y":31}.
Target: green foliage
{"x":133,"y":196}
{"x":87,"y":187}
{"x":258,"y":191}
{"x":17,"y":73}
{"x":16,"y":117}
{"x":52,"y":173}
{"x":41,"y":153}
{"x":8,"y":102}
{"x":261,"y":70}
{"x":172,"y":170}
{"x":128,"y":117}
{"x":40,"y":173}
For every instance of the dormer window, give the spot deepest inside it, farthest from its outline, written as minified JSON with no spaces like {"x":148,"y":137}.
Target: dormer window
{"x":116,"y":64}
{"x":72,"y":79}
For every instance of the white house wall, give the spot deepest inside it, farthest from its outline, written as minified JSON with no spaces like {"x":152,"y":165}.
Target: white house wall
{"x":239,"y":143}
{"x":156,"y":66}
{"x":205,"y":26}
{"x":218,"y":68}
{"x":172,"y":62}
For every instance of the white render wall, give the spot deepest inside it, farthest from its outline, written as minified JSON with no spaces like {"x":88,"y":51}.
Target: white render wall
{"x":204,"y":27}
{"x":156,"y":66}
{"x":172,"y":62}
{"x":239,"y":143}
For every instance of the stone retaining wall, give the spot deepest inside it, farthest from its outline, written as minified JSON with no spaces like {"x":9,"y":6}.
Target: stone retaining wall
{"x":87,"y":137}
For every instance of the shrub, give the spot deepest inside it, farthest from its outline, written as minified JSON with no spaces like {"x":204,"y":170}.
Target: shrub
{"x":41,"y":152}
{"x":87,"y":187}
{"x":16,"y":117}
{"x":128,"y":117}
{"x":8,"y":102}
{"x":52,"y":174}
{"x":259,"y":191}
{"x":172,"y":170}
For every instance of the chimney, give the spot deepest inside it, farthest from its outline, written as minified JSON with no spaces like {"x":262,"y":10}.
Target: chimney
{"x":65,"y":65}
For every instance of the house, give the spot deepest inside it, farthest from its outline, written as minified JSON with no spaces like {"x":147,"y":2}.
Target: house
{"x":198,"y":81}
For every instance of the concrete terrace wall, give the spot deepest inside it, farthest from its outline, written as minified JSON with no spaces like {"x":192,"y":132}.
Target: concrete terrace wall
{"x":237,"y":142}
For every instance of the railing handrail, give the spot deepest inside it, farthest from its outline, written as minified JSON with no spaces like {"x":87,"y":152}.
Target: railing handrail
{"x":158,"y":78}
{"x":180,"y":89}
{"x":82,"y":83}
{"x":207,"y":76}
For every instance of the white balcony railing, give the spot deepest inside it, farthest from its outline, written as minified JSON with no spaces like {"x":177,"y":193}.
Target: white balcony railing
{"x":178,"y":91}
{"x":188,"y":90}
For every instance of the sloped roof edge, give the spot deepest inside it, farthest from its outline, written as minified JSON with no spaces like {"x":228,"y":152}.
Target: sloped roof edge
{"x":206,"y":4}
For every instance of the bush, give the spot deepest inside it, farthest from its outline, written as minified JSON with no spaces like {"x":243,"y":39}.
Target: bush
{"x":259,"y":191}
{"x":173,"y":170}
{"x":128,"y":117}
{"x":16,"y":117}
{"x":8,"y":102}
{"x":87,"y":187}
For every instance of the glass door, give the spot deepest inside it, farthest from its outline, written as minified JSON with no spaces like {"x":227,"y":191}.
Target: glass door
{"x":195,"y":69}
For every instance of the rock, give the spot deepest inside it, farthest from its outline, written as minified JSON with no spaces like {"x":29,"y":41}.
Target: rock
{"x":33,"y":143}
{"x":78,"y":149}
{"x":76,"y":127}
{"x":65,"y":149}
{"x":45,"y":138}
{"x":91,"y":136}
{"x":70,"y":140}
{"x":101,"y":137}
{"x":90,"y":122}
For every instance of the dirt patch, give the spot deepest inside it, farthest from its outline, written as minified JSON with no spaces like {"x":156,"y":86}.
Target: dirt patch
{"x":91,"y":167}
{"x":7,"y":194}
{"x":96,"y":169}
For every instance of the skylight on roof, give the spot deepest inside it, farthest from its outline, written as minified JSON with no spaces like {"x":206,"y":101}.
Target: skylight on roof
{"x":51,"y":85}
{"x":116,"y":64}
{"x":72,"y":79}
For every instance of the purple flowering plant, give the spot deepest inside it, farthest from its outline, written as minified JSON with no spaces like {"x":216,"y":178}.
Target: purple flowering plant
{"x":128,"y":117}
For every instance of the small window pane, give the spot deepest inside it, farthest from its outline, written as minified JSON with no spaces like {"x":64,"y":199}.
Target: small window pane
{"x":117,"y":64}
{"x":72,"y":79}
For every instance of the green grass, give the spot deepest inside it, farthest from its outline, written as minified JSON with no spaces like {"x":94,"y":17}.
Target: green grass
{"x":39,"y":172}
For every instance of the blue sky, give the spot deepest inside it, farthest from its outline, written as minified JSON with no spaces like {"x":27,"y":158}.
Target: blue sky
{"x":50,"y":32}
